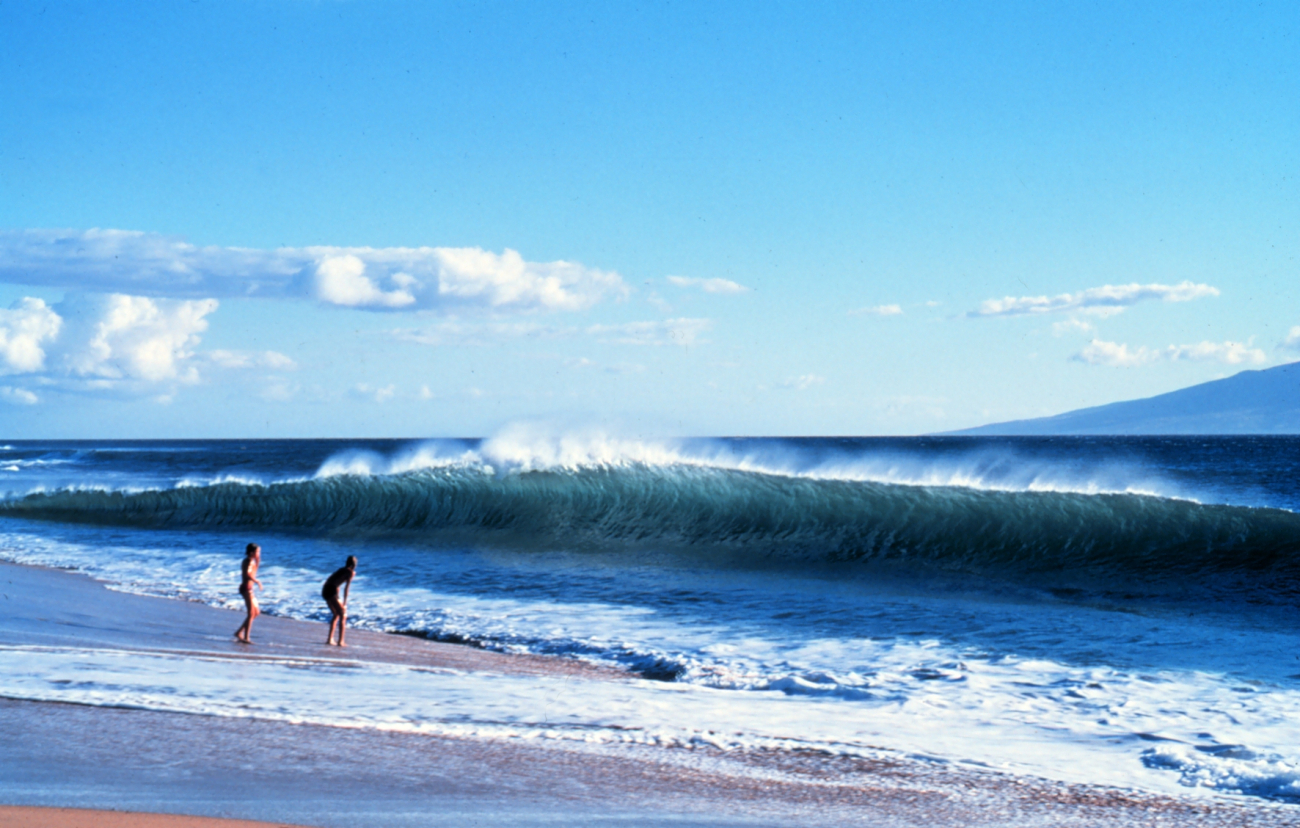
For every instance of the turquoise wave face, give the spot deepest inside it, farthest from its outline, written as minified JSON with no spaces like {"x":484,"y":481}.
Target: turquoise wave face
{"x":729,"y":517}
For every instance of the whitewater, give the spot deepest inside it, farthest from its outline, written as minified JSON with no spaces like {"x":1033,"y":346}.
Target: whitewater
{"x":1118,"y":611}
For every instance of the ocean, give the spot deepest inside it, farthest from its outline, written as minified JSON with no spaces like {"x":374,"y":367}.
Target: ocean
{"x":1120,"y":611}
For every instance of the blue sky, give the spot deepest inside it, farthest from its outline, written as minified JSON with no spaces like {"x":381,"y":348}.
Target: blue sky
{"x":433,"y":219}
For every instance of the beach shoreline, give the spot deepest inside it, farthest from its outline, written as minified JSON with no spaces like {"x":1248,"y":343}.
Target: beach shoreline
{"x":119,"y":757}
{"x":16,"y":816}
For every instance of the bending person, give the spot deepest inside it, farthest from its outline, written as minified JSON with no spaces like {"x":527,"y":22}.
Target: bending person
{"x":248,"y":572}
{"x":330,"y":592}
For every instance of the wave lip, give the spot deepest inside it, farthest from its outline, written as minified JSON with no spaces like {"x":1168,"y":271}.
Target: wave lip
{"x":521,"y":449}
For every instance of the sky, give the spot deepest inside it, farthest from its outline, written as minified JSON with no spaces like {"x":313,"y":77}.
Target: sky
{"x":376,"y":218}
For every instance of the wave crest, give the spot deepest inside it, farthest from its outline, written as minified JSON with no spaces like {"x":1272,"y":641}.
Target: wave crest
{"x":719,"y":515}
{"x":522,"y":448}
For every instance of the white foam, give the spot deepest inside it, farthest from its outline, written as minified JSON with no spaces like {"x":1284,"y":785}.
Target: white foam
{"x":194,"y":482}
{"x":1022,"y":735}
{"x":1229,"y":768}
{"x":916,"y":694}
{"x":525,"y":447}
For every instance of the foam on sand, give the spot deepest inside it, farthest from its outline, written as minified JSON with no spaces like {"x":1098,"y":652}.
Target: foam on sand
{"x":298,"y":731}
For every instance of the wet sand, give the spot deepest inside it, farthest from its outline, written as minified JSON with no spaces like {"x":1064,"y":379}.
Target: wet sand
{"x":83,"y":756}
{"x":57,"y":608}
{"x":26,"y":817}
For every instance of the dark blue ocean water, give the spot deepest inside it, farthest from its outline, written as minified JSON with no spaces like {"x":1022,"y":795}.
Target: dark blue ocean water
{"x":813,"y":566}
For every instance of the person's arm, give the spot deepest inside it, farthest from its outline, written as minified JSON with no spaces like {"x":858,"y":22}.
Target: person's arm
{"x":346,"y":589}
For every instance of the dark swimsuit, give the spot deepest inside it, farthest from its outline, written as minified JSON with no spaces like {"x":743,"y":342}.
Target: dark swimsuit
{"x":330,"y":592}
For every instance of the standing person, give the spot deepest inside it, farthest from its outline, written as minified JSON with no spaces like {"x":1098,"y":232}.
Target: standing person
{"x":248,"y":572}
{"x":330,"y":592}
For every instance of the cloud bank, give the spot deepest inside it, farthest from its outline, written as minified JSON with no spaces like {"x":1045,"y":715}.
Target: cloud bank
{"x":1104,"y":300}
{"x":1117,"y":355}
{"x":112,"y":342}
{"x":388,"y":278}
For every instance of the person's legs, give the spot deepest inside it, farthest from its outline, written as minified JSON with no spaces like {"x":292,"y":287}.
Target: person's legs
{"x":253,"y":611}
{"x":337,"y":612}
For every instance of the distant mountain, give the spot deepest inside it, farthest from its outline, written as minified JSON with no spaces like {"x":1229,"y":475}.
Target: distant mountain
{"x":1252,"y":402}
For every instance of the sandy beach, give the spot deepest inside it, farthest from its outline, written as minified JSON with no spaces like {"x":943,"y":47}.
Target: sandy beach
{"x":69,"y":756}
{"x":27,"y":817}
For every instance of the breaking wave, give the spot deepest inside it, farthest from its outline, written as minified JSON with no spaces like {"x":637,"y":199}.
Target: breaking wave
{"x":727,"y":505}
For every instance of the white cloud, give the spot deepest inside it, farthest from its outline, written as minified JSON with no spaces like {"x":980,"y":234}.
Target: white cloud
{"x":803,"y":382}
{"x":131,"y":337}
{"x":1105,"y":300}
{"x":125,"y":261}
{"x":1292,"y":341}
{"x":17,"y":396}
{"x":272,"y":360}
{"x":448,"y":277}
{"x":24,"y":328}
{"x":1232,"y":353}
{"x":682,"y":331}
{"x":878,"y":310}
{"x":467,"y":332}
{"x":377,"y":393}
{"x":1072,"y":324}
{"x":506,"y":280}
{"x":97,"y":343}
{"x":342,"y":280}
{"x":389,"y":278}
{"x":1116,"y":355}
{"x":708,"y":285}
